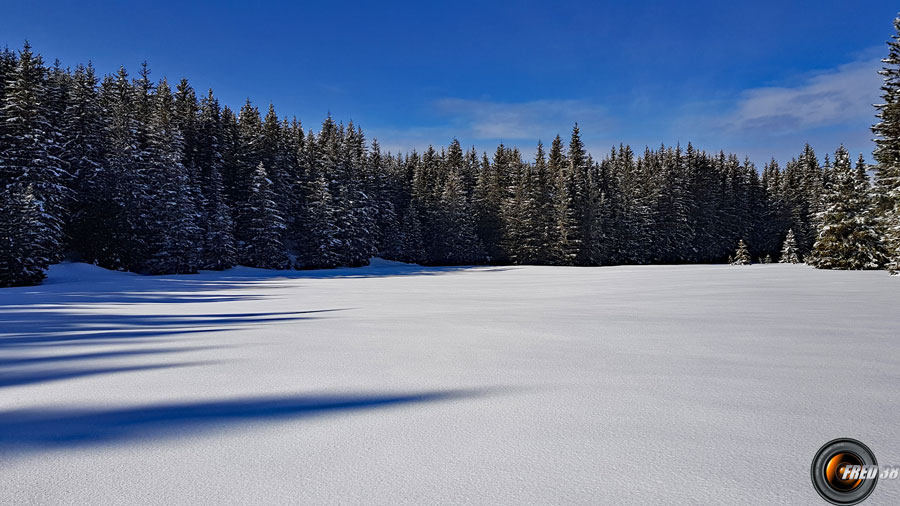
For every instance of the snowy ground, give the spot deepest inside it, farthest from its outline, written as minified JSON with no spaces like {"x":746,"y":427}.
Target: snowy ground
{"x":405,"y":385}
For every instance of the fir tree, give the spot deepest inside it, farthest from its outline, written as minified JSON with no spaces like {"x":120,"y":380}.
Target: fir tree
{"x":742,"y":255}
{"x":790,"y":254}
{"x":488,"y":200}
{"x":410,"y":248}
{"x":887,"y":151}
{"x":320,"y":246}
{"x":541,"y":196}
{"x":383,"y":197}
{"x":31,"y":172}
{"x":22,"y":260}
{"x":85,"y":157}
{"x":582,"y":197}
{"x":848,"y":236}
{"x":173,"y":237}
{"x":360,"y":240}
{"x":564,"y":240}
{"x":457,"y":242}
{"x":263,"y":247}
{"x":215,"y":218}
{"x":241,"y":166}
{"x":218,"y":250}
{"x":114,"y":236}
{"x":520,"y":213}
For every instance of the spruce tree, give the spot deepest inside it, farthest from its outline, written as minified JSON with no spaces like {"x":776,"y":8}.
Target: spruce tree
{"x":848,"y":237}
{"x":790,"y":253}
{"x":262,"y":246}
{"x":217,"y":250}
{"x":320,"y":248}
{"x":488,"y":200}
{"x":110,"y":206}
{"x":85,"y":157}
{"x":31,"y":173}
{"x":583,"y":198}
{"x":541,"y":197}
{"x":742,"y":255}
{"x":57,"y":100}
{"x":383,"y":196}
{"x":410,"y":247}
{"x":241,"y":166}
{"x":22,"y":260}
{"x":360,"y":241}
{"x":520,"y":213}
{"x":564,"y":236}
{"x":170,"y":214}
{"x":887,"y":151}
{"x":276,"y":155}
{"x":456,"y":242}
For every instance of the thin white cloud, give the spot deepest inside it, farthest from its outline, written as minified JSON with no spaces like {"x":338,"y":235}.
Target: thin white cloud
{"x":825,"y":108}
{"x":839,"y":96}
{"x":484,"y":119}
{"x":483,"y":123}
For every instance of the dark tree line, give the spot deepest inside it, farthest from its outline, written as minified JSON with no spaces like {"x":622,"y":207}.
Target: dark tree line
{"x":138,"y":175}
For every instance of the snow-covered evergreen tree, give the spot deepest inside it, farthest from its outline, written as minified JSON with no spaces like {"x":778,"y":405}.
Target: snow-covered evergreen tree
{"x":320,"y":247}
{"x":22,"y":257}
{"x":410,"y":248}
{"x":487,"y":203}
{"x":848,"y":237}
{"x":583,"y":197}
{"x":520,"y":212}
{"x":457,"y":242}
{"x":217,"y":251}
{"x":361,"y":236}
{"x":887,"y":151}
{"x":789,"y":252}
{"x":564,"y":234}
{"x":111,"y":235}
{"x":262,"y":246}
{"x":742,"y":255}
{"x":277,"y":156}
{"x":85,"y":157}
{"x":31,"y":172}
{"x":170,"y":214}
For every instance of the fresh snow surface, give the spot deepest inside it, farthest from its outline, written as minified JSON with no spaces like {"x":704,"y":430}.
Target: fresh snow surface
{"x":397,"y":384}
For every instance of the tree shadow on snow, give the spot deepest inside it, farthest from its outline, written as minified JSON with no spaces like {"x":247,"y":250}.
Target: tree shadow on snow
{"x":22,"y":431}
{"x":8,"y":379}
{"x":34,"y":326}
{"x":36,"y":341}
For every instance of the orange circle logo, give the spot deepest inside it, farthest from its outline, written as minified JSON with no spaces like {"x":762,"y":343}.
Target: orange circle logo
{"x":844,"y":472}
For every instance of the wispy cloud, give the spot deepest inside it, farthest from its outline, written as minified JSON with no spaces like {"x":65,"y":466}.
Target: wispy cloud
{"x":841,"y":95}
{"x":483,"y":119}
{"x":483,"y":123}
{"x":825,"y":108}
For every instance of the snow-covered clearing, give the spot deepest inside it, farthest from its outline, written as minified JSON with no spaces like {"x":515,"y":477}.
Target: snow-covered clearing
{"x":399,"y":384}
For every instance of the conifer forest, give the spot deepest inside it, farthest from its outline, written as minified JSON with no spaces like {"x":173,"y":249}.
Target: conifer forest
{"x":136,"y":174}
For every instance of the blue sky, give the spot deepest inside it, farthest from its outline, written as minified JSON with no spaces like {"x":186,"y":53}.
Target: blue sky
{"x":759,"y":79}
